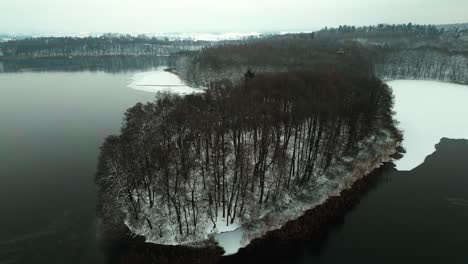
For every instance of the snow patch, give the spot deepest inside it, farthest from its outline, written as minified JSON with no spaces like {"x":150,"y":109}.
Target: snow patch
{"x":428,"y":111}
{"x":160,"y":80}
{"x":230,"y":241}
{"x":214,"y":37}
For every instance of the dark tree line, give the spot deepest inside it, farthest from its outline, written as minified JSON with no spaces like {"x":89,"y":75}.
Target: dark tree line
{"x":183,"y":162}
{"x":108,"y":63}
{"x":384,"y":30}
{"x":292,"y":52}
{"x":106,"y":45}
{"x":446,"y":38}
{"x":355,"y":49}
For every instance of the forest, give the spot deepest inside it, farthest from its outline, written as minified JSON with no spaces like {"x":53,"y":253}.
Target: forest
{"x":386,"y":51}
{"x":282,"y":53}
{"x":105,"y":45}
{"x":278,"y":113}
{"x":403,"y":36}
{"x":184,"y":166}
{"x":90,"y":63}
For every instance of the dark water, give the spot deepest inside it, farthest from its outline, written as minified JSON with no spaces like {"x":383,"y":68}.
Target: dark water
{"x":51,"y":127}
{"x":419,"y":216}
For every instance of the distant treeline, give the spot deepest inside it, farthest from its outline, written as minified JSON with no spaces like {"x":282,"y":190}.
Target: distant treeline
{"x":387,"y":51}
{"x":399,"y":30}
{"x":292,"y":52}
{"x":106,"y":45}
{"x":450,"y":38}
{"x":84,"y":63}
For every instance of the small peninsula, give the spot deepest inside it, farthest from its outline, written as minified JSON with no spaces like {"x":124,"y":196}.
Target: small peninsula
{"x":247,"y":155}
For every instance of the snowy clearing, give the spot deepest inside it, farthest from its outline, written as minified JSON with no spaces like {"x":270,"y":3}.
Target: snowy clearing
{"x":428,"y":111}
{"x":159,"y":80}
{"x":200,"y":36}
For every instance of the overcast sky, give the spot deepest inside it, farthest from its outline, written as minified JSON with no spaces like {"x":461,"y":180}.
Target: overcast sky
{"x":153,"y":16}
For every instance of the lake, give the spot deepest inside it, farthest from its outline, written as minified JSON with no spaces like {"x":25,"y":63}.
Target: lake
{"x":52,"y":124}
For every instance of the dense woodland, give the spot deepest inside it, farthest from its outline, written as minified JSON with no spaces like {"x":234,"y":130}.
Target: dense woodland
{"x":412,"y":51}
{"x":89,"y":63}
{"x":277,"y":114}
{"x":273,"y":54}
{"x":452,"y":38}
{"x":106,"y":45}
{"x":185,"y":164}
{"x":384,"y":30}
{"x":387,"y":51}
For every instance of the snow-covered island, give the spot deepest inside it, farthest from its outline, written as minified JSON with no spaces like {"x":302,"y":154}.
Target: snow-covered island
{"x":226,"y":166}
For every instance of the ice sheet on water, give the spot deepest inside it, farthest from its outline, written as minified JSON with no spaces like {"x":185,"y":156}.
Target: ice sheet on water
{"x":428,"y":111}
{"x":159,"y":80}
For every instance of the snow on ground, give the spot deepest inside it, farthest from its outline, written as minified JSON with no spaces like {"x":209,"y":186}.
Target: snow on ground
{"x":428,"y":111}
{"x":159,"y":80}
{"x":209,"y":36}
{"x":230,"y":241}
{"x":228,"y":236}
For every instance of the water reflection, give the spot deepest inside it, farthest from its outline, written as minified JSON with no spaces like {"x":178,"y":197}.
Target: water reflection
{"x":52,"y":125}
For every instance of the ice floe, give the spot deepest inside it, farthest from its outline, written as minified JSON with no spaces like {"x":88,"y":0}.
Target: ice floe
{"x":160,"y":80}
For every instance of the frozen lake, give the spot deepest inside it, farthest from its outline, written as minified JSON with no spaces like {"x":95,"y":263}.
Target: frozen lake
{"x":159,"y":80}
{"x":428,"y":111}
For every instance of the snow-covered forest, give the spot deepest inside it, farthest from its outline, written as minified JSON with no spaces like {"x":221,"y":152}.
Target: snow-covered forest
{"x":185,"y":167}
{"x":81,"y":63}
{"x":424,"y":64}
{"x":278,"y":116}
{"x":106,"y":45}
{"x":387,"y":51}
{"x":410,"y":51}
{"x":282,"y":53}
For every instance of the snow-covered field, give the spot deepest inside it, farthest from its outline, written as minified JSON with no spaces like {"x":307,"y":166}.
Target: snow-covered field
{"x":210,"y":36}
{"x":428,"y":111}
{"x":159,"y":80}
